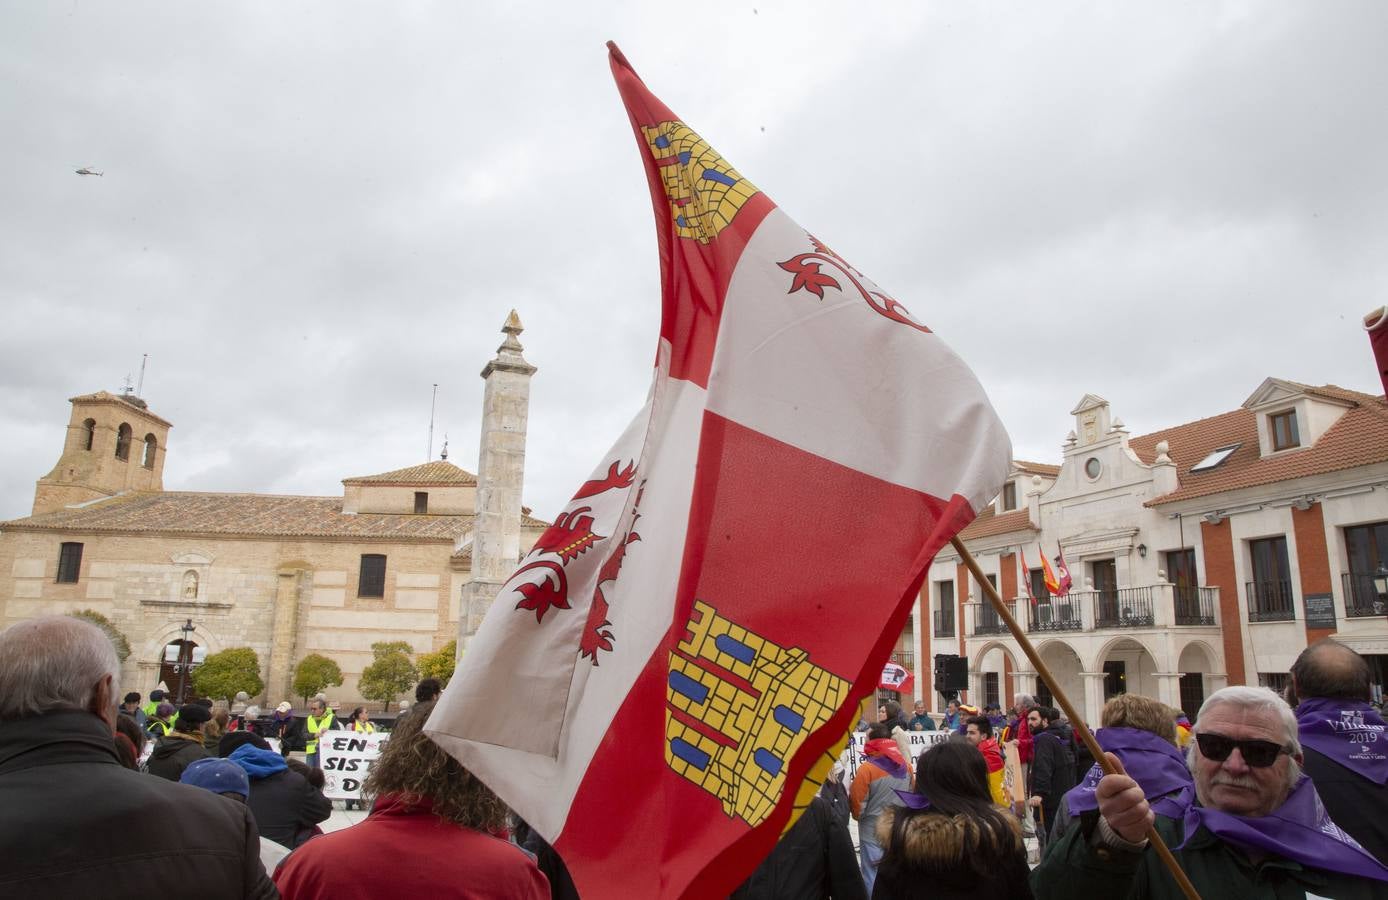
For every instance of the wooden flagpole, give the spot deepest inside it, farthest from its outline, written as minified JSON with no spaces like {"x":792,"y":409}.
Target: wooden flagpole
{"x":1076,"y":721}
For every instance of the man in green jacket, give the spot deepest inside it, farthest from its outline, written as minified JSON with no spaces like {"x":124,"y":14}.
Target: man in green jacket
{"x":320,"y":719}
{"x":1257,"y":830}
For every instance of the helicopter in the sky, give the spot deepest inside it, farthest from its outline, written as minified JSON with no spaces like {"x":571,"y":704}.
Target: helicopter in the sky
{"x":88,"y":171}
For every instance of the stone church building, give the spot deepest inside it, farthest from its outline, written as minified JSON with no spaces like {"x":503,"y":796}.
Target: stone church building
{"x":414,"y":554}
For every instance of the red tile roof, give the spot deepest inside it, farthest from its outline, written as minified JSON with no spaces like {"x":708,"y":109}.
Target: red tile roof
{"x":1359,"y":438}
{"x":990,"y":523}
{"x":250,"y":515}
{"x":437,"y":472}
{"x":1036,"y":468}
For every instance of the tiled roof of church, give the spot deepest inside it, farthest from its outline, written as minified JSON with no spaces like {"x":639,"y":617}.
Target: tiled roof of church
{"x":431,"y":473}
{"x":990,"y":523}
{"x":250,"y":515}
{"x":1358,"y":438}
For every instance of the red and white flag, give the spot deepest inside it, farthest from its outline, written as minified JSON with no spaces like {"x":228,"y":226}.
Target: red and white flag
{"x":660,"y":686}
{"x":896,"y":678}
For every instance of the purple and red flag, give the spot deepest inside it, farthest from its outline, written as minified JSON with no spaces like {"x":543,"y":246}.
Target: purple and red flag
{"x":1376,"y":324}
{"x":663,"y":683}
{"x":1062,"y":571}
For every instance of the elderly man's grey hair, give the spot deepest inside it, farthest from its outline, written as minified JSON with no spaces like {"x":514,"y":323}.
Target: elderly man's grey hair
{"x":1253,"y":698}
{"x":53,"y":663}
{"x":1026,"y":700}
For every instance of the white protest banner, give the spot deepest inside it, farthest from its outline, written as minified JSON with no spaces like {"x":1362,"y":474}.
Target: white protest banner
{"x":853,"y":755}
{"x":346,"y":757}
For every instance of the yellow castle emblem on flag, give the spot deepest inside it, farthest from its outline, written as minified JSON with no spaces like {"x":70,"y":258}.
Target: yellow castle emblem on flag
{"x":705,"y":192}
{"x":737,"y":709}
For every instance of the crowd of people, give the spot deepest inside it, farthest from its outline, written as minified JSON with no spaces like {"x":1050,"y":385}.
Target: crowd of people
{"x":1263,"y":795}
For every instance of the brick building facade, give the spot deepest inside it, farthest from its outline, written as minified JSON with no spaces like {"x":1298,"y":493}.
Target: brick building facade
{"x":1206,"y":554}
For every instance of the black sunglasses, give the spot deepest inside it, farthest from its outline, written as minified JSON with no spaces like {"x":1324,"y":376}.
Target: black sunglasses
{"x":1258,"y":754}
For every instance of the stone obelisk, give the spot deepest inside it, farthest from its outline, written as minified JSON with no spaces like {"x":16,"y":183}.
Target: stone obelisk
{"x":500,"y":475}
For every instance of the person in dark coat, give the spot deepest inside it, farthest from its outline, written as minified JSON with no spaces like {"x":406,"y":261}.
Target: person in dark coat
{"x":173,"y":752}
{"x":1344,"y":740}
{"x":287,"y":729}
{"x":814,"y":860}
{"x":950,"y":840}
{"x":285,"y":806}
{"x":77,"y":823}
{"x":1052,"y":766}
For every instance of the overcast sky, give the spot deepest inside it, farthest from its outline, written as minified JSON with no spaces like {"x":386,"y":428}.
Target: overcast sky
{"x":312,"y":212}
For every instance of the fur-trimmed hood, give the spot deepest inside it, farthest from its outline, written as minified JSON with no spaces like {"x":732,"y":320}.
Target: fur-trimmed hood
{"x":933,"y":840}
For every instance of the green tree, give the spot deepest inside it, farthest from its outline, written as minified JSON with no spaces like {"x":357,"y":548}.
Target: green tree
{"x":314,"y":673}
{"x":439,"y":664}
{"x":223,"y":674}
{"x":390,"y":674}
{"x":117,"y":639}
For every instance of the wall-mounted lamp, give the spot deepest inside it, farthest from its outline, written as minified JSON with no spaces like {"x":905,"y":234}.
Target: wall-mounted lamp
{"x":1302,"y":503}
{"x":1142,"y":550}
{"x":1213,"y":518}
{"x":1381,"y":581}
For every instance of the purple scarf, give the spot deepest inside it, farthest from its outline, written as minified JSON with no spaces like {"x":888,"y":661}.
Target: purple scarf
{"x":1299,"y":830}
{"x":911,"y":799}
{"x":1157,"y":766}
{"x":1350,"y":732}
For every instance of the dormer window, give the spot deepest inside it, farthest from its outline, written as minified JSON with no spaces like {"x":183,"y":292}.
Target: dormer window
{"x":421,"y":502}
{"x":1215,"y":458}
{"x":1009,"y":496}
{"x":1284,"y":432}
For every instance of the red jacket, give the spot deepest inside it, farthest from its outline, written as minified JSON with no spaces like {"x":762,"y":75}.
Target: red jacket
{"x":414,"y":853}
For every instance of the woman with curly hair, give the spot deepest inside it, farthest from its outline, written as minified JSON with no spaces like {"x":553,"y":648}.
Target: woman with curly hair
{"x":431,"y":813}
{"x":950,"y":840}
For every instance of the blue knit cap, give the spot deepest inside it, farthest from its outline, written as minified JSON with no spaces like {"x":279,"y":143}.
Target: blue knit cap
{"x":220,"y":776}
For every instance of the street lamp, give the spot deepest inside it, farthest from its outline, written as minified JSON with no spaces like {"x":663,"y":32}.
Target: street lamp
{"x":183,"y":658}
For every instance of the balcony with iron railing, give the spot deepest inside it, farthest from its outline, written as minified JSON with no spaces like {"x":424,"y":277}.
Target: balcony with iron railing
{"x":1163,"y":605}
{"x":1055,"y":614}
{"x":1123,"y":608}
{"x":905,"y":658}
{"x":1270,"y":601}
{"x":944,"y":622}
{"x":1196,"y":605}
{"x":986,"y":620}
{"x":1362,"y":595}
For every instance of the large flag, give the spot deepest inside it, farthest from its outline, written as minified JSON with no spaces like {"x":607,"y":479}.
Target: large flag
{"x":659,"y":686}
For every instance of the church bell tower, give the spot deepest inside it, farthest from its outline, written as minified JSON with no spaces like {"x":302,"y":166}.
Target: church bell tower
{"x":114,"y":444}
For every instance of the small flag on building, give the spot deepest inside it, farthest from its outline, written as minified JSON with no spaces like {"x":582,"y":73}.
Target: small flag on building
{"x":895,"y":677}
{"x":664,"y":681}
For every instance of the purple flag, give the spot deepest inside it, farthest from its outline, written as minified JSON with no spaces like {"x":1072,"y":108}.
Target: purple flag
{"x":1155,"y":764}
{"x":1300,"y":830}
{"x":1350,"y":732}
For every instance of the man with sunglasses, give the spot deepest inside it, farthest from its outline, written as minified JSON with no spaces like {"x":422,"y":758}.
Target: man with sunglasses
{"x":1257,"y":829}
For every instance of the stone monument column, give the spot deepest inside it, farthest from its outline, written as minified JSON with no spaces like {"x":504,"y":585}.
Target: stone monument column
{"x":284,"y":631}
{"x":500,"y":476}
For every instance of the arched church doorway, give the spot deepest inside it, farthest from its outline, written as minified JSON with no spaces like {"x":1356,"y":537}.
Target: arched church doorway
{"x":176,"y":669}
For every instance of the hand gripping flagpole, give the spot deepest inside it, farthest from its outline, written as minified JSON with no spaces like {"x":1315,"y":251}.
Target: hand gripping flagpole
{"x":1076,"y":721}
